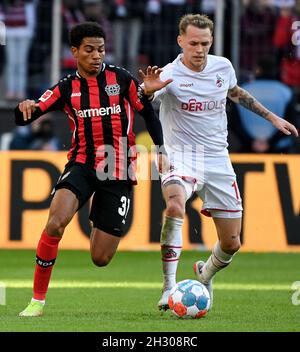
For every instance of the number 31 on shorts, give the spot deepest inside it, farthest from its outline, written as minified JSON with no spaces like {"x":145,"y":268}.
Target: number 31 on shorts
{"x":124,"y":208}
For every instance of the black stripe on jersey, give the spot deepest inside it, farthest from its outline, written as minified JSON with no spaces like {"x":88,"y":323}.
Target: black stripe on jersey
{"x":124,"y":121}
{"x":66,"y":89}
{"x":123,"y":114}
{"x":104,"y":103}
{"x":88,"y":130}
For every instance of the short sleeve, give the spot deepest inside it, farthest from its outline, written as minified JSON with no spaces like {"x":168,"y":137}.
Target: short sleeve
{"x":232,"y":77}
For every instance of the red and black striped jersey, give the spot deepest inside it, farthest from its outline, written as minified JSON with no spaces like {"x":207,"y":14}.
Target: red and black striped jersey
{"x":101,"y":113}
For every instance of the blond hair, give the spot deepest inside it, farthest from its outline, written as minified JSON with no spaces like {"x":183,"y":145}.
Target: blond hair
{"x":197,"y":20}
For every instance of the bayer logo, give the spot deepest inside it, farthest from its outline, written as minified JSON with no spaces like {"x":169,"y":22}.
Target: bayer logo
{"x":113,"y":89}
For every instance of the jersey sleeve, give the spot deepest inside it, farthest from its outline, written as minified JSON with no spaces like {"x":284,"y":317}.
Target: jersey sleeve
{"x":140,"y":102}
{"x":51,"y":99}
{"x":232,"y":77}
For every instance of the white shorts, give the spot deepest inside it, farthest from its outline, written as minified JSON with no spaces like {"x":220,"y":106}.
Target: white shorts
{"x":216,"y":186}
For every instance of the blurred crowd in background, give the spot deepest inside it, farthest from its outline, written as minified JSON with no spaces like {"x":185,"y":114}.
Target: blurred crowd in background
{"x":143,"y":32}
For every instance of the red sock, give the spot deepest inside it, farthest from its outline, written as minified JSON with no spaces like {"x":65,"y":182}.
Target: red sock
{"x":45,"y":258}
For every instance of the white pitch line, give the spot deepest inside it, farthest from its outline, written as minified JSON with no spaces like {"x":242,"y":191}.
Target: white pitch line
{"x":149,"y":285}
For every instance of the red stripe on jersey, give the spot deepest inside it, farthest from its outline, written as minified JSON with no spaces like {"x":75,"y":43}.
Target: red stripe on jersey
{"x":97,"y":121}
{"x":49,"y":98}
{"x":133,"y":97}
{"x":76,"y":104}
{"x":111,"y":79}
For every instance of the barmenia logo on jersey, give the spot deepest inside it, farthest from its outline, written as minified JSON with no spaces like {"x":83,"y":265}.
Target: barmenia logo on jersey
{"x":111,"y":110}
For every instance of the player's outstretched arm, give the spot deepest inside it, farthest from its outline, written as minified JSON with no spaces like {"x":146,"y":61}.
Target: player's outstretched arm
{"x":244,"y":98}
{"x":152,"y":81}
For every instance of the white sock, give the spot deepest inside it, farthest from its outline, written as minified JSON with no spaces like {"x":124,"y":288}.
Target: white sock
{"x":171,"y":245}
{"x":217,"y":261}
{"x":38,"y":300}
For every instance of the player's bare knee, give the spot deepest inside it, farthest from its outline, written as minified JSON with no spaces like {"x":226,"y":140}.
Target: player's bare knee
{"x":56,"y":226}
{"x":101,"y":260}
{"x":231,"y":247}
{"x":175,"y":209}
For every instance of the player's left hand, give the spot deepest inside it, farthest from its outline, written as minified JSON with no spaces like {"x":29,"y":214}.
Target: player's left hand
{"x":27,"y":107}
{"x":163,"y":163}
{"x":284,"y":126}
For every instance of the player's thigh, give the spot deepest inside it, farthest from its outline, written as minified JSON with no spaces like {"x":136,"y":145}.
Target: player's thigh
{"x":63,"y":207}
{"x":177,"y":191}
{"x":110,"y":207}
{"x":74,"y":187}
{"x":220,"y":193}
{"x":174,"y":192}
{"x":78,"y":179}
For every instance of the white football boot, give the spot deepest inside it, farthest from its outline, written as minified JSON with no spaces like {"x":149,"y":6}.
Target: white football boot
{"x":198,"y":271}
{"x":163,"y":302}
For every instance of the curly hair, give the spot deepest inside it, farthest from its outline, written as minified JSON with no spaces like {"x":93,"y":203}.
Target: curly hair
{"x":84,"y":30}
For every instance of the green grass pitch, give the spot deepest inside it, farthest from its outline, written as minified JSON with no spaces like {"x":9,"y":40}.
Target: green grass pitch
{"x":253,"y":294}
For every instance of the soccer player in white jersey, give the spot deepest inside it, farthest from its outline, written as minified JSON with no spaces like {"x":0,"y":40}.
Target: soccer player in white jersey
{"x":193,"y":91}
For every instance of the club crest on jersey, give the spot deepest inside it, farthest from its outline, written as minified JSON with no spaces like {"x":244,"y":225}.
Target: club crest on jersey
{"x":46,"y":95}
{"x":113,"y":89}
{"x":220,"y":81}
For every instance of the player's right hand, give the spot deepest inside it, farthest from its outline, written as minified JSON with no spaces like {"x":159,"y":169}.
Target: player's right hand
{"x":27,"y":107}
{"x":152,"y":81}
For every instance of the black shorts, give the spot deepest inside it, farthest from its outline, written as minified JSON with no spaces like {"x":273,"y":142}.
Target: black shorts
{"x":111,"y":200}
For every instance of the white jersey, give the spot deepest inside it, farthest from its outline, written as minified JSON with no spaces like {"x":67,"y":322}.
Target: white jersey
{"x":193,"y":106}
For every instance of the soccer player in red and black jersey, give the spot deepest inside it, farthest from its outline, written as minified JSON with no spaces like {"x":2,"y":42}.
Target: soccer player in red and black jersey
{"x":98,"y":100}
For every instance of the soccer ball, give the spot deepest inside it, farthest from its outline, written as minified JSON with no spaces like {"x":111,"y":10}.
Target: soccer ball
{"x":189,"y":299}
